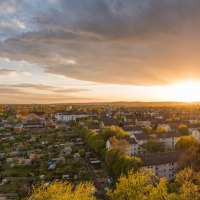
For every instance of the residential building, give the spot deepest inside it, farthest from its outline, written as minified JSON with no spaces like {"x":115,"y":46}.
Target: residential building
{"x":164,"y":164}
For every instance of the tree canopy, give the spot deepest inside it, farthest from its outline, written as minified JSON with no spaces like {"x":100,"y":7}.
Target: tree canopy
{"x":114,"y":131}
{"x":63,"y":191}
{"x":145,"y":185}
{"x":191,"y":158}
{"x":185,"y":142}
{"x":153,"y":146}
{"x":160,"y":129}
{"x":118,"y":160}
{"x":183,"y":129}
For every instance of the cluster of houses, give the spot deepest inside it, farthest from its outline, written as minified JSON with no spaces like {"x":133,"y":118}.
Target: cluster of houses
{"x":163,"y":163}
{"x":134,"y":121}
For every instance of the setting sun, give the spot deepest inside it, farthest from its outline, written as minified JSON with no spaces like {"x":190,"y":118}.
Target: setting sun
{"x":186,"y":91}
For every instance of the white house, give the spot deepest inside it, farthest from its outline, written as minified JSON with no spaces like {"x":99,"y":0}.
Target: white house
{"x":68,"y":116}
{"x":194,"y":121}
{"x":163,"y":164}
{"x":143,"y":123}
{"x":169,"y":140}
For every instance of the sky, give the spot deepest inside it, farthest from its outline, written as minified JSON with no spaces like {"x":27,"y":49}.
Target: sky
{"x":60,"y":51}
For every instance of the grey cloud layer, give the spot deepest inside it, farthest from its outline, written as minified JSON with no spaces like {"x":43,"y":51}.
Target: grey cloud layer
{"x":147,"y":42}
{"x":15,"y":94}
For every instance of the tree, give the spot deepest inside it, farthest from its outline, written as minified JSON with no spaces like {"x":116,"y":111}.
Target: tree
{"x":125,"y":164}
{"x":183,"y":129}
{"x":121,"y":145}
{"x":153,"y":146}
{"x":149,"y":129}
{"x":160,"y":129}
{"x":11,"y":120}
{"x":95,"y":141}
{"x":141,"y":186}
{"x":62,"y":191}
{"x":84,"y":131}
{"x":191,"y":158}
{"x":189,"y":182}
{"x":114,"y":131}
{"x":118,"y":160}
{"x":145,"y":185}
{"x":89,"y":120}
{"x":185,"y":142}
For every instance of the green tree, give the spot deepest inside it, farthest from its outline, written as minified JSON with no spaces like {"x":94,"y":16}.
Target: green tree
{"x":185,"y":142}
{"x":89,"y":120}
{"x":11,"y":120}
{"x":84,"y":131}
{"x":95,"y":141}
{"x":153,"y":146}
{"x":118,"y":160}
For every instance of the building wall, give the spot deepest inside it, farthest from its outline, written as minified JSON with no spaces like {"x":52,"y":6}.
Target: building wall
{"x":67,"y":118}
{"x":167,"y":170}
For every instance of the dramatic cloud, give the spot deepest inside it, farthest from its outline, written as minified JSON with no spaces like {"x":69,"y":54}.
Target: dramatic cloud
{"x":133,"y":42}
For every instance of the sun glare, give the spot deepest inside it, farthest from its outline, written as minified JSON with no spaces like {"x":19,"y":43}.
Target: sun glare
{"x":187,"y":91}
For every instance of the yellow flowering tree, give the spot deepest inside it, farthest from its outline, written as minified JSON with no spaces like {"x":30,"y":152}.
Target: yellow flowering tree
{"x":60,"y":190}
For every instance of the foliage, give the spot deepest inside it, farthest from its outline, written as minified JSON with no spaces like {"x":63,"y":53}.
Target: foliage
{"x":191,"y":158}
{"x":95,"y":141}
{"x":117,"y":159}
{"x":149,"y":129}
{"x":62,"y":191}
{"x":185,"y":142}
{"x":89,"y":120}
{"x":160,"y":129}
{"x":114,"y":131}
{"x":145,"y":185}
{"x":11,"y":120}
{"x":121,"y":145}
{"x":183,"y":129}
{"x":153,"y":146}
{"x":140,"y":186}
{"x":190,"y":184}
